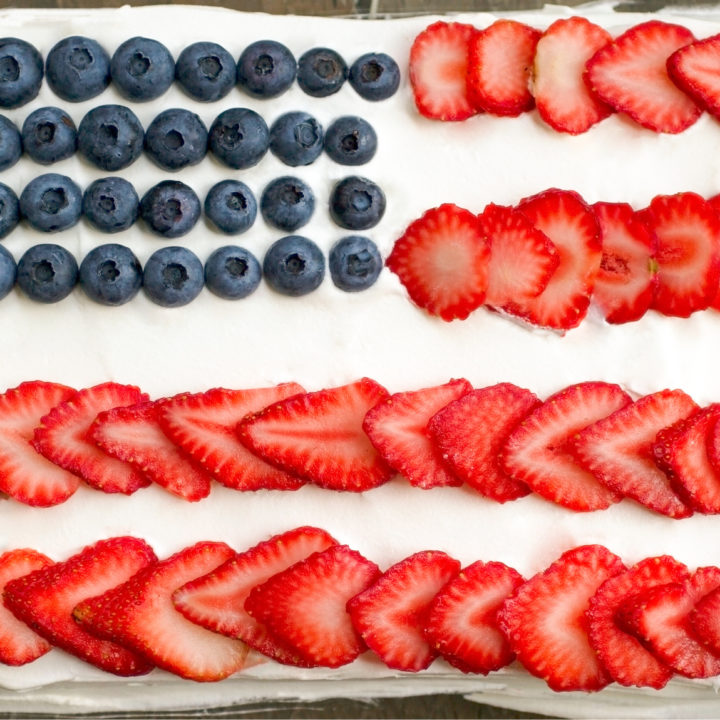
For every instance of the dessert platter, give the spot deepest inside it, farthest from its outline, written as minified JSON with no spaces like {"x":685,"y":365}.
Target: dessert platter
{"x":475,"y":448}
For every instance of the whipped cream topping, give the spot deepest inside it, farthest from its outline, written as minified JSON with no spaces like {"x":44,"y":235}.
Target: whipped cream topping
{"x":331,"y":337}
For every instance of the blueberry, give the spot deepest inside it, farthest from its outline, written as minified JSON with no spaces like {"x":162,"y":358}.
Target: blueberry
{"x":111,"y":137}
{"x":232,"y":272}
{"x":173,"y":276}
{"x":142,"y":69}
{"x":77,"y":69}
{"x":287,"y":203}
{"x":51,"y":202}
{"x":9,"y":210}
{"x":47,"y":273}
{"x":8,"y":272}
{"x":296,"y":138}
{"x":239,"y":138}
{"x":170,"y":208}
{"x":110,"y":274}
{"x":321,"y":72}
{"x":231,"y":206}
{"x":49,"y":135}
{"x":110,"y":204}
{"x":357,"y":203}
{"x":294,"y":266}
{"x":206,"y":71}
{"x":375,"y":76}
{"x":176,"y":138}
{"x":355,"y":263}
{"x":21,"y":72}
{"x":350,"y":140}
{"x":266,"y":69}
{"x":10,"y":143}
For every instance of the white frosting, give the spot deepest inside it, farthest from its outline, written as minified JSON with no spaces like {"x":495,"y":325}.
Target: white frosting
{"x":331,"y":337}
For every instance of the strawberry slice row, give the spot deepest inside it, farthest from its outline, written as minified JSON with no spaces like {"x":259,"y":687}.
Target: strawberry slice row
{"x":547,"y":259}
{"x":575,"y":73}
{"x":303,"y":599}
{"x":585,"y":447}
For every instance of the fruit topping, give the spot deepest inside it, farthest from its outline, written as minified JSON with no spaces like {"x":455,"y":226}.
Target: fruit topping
{"x":206,"y":71}
{"x":203,"y":425}
{"x":374,"y":76}
{"x":318,"y":436}
{"x":142,"y":69}
{"x":694,"y":69}
{"x":45,"y":600}
{"x":304,"y":607}
{"x":500,"y":59}
{"x":171,"y":208}
{"x":287,"y":203}
{"x":563,"y":99}
{"x":25,"y":475}
{"x":442,"y":259}
{"x":62,"y":437}
{"x":392,"y":613}
{"x":630,"y":75}
{"x":232,"y":272}
{"x":77,"y":68}
{"x":266,"y":69}
{"x":175,"y":139}
{"x":173,"y":276}
{"x":47,"y":273}
{"x":439,"y":71}
{"x":350,"y":140}
{"x":357,"y":203}
{"x":398,"y":428}
{"x":22,"y":72}
{"x":9,"y":210}
{"x":110,"y":204}
{"x":216,"y":601}
{"x":618,"y":450}
{"x":462,"y":621}
{"x":239,"y":138}
{"x":294,"y":265}
{"x":625,"y":658}
{"x":111,"y":274}
{"x":49,"y":135}
{"x":111,"y":137}
{"x":537,"y":453}
{"x":355,"y":263}
{"x":627,"y":280}
{"x":51,"y":202}
{"x":139,"y":613}
{"x":132,"y":434}
{"x":296,"y":138}
{"x":230,"y":206}
{"x":321,"y":72}
{"x":470,"y":433}
{"x":11,"y":147}
{"x":544,"y":620}
{"x":8,"y":268}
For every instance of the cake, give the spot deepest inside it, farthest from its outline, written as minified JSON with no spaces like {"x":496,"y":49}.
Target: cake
{"x":329,"y":337}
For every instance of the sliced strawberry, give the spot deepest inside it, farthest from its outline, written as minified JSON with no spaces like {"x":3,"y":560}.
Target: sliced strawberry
{"x":398,"y":429}
{"x":705,"y":621}
{"x":522,"y":258}
{"x":216,"y":601}
{"x":319,"y":436}
{"x":571,"y":226}
{"x":630,"y":75}
{"x":618,"y":450}
{"x":659,"y":618}
{"x":45,"y":599}
{"x":563,"y":99}
{"x":471,"y":431}
{"x":203,"y":425}
{"x":625,"y":285}
{"x":140,"y":614}
{"x":544,"y":620}
{"x":19,"y":645}
{"x":688,"y":252}
{"x":442,"y":260}
{"x":25,"y":475}
{"x":536,"y":452}
{"x":499,"y":61}
{"x":304,"y":606}
{"x":462,"y":623}
{"x":438,"y":71}
{"x":62,"y":438}
{"x":623,"y":656}
{"x":392,"y":613}
{"x":684,"y":452}
{"x":132,"y":434}
{"x":695,"y":69}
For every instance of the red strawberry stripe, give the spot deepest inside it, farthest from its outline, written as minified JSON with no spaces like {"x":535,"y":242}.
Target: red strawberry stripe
{"x":695,"y":69}
{"x":623,"y":656}
{"x":392,"y":613}
{"x":499,"y":63}
{"x":18,"y":643}
{"x":544,"y":620}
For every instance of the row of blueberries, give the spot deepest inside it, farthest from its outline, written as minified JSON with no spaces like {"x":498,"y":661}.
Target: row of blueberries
{"x":111,"y":137}
{"x":174,"y":276}
{"x":53,"y":202}
{"x":78,"y":68}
